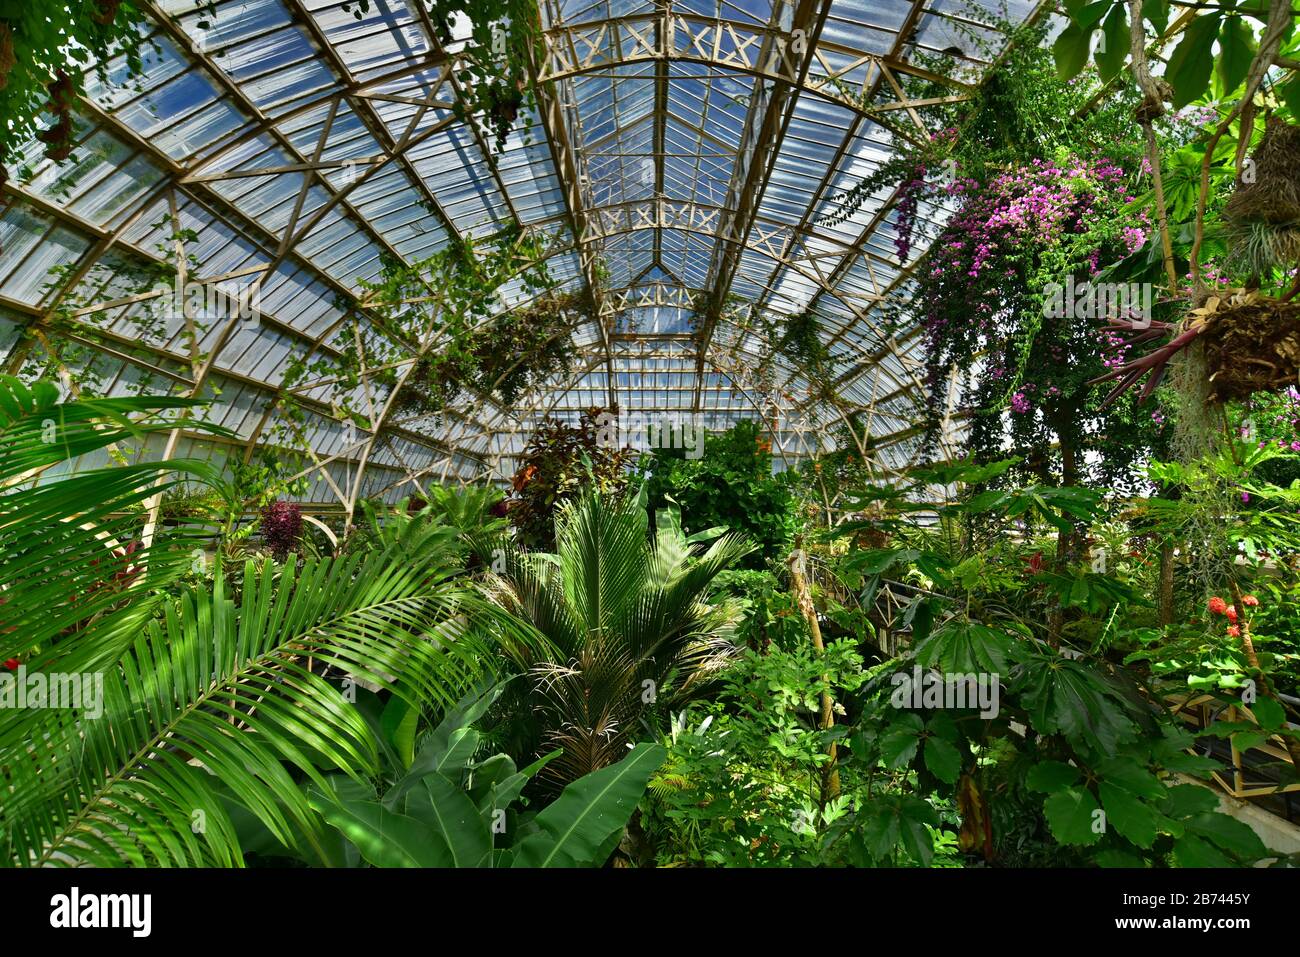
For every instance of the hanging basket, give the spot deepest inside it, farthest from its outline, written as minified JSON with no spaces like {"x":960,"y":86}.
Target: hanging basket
{"x":1252,"y":343}
{"x":1270,"y":193}
{"x":1262,"y":217}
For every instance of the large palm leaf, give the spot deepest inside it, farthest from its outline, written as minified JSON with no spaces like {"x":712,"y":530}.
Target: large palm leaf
{"x":630,"y":620}
{"x":236,"y":691}
{"x":75,"y":584}
{"x":195,"y":691}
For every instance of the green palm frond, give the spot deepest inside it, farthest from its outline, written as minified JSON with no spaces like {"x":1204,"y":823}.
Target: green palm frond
{"x":171,"y":711}
{"x":466,"y":510}
{"x":38,"y":431}
{"x":71,"y":565}
{"x":604,"y":558}
{"x":75,"y":584}
{"x":219,"y":691}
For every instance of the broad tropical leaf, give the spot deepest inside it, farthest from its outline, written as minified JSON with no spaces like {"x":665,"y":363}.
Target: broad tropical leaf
{"x":579,"y":823}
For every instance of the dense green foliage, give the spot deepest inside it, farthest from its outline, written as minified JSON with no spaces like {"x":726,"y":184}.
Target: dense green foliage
{"x":439,"y":802}
{"x":559,"y":462}
{"x":770,"y":751}
{"x":729,"y":485}
{"x":44,"y":51}
{"x":1048,"y":649}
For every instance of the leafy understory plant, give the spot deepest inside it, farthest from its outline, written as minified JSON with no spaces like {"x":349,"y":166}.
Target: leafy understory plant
{"x":1108,"y":770}
{"x":439,"y":805}
{"x":741,"y":783}
{"x":1073,"y":740}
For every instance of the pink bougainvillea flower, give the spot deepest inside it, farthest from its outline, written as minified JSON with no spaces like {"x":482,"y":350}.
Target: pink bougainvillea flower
{"x":1217,"y":605}
{"x":1231,"y":613}
{"x":1234,"y":631}
{"x":1250,"y":601}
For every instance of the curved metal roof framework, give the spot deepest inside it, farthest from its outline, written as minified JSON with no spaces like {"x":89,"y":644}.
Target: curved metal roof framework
{"x":681,"y":152}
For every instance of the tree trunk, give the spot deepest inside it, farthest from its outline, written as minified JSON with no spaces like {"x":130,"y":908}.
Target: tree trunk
{"x":1067,"y":544}
{"x":799,"y":585}
{"x":1166,"y":594}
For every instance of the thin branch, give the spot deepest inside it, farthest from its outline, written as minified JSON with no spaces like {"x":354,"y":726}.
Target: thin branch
{"x":1154,"y":94}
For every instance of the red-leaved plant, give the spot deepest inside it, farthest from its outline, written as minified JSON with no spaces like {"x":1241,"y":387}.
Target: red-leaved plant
{"x":281,"y":528}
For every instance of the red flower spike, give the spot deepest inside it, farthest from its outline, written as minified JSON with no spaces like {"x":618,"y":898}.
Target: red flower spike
{"x":1217,"y":605}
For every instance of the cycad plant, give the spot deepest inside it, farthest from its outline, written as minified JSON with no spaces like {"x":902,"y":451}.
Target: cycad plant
{"x":467,"y":512}
{"x":633,"y":632}
{"x":191,"y":694}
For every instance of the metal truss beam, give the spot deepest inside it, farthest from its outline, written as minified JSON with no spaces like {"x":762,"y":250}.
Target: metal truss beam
{"x":553,"y":112}
{"x":904,"y":35}
{"x":769,"y":118}
{"x":121,"y":348}
{"x":841,"y":74}
{"x":786,"y":59}
{"x":285,"y":247}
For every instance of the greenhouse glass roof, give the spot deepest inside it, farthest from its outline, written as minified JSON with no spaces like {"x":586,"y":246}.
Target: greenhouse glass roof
{"x":679,"y":153}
